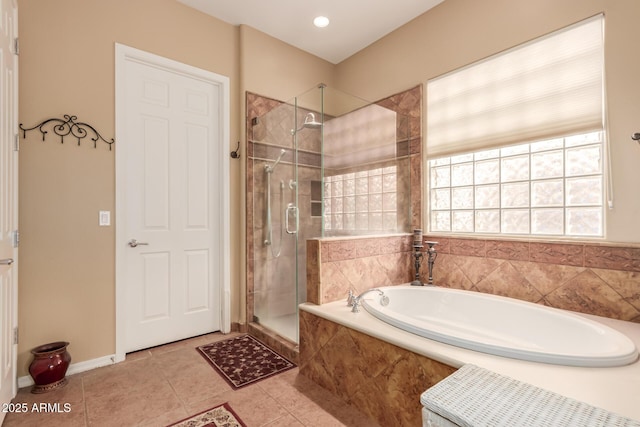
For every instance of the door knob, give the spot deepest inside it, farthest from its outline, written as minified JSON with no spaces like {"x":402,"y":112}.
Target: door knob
{"x":6,"y":261}
{"x":133,"y":243}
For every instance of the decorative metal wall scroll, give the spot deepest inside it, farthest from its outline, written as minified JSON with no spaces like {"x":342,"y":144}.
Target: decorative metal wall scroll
{"x":67,"y":127}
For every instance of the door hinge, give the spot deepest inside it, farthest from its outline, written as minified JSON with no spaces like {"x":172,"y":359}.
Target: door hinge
{"x":16,"y":143}
{"x":16,"y":238}
{"x":15,"y":335}
{"x":16,"y":46}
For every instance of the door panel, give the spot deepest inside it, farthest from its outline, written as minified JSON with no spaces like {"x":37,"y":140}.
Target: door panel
{"x":8,"y":200}
{"x":197,"y":182}
{"x":156,"y":295}
{"x":196,"y":280}
{"x":155,"y":193}
{"x":171,"y":126}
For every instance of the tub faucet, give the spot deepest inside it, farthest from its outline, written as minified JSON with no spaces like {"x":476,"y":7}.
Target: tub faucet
{"x":355,"y":301}
{"x":350,"y":297}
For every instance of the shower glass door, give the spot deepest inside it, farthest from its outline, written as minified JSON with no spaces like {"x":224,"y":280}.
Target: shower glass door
{"x":275,"y":221}
{"x":323,"y":164}
{"x":285,"y":161}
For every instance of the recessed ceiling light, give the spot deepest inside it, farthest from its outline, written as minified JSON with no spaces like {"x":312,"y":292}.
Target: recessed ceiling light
{"x":321,"y":21}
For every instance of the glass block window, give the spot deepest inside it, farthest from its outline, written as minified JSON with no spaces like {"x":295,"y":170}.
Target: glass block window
{"x":549,"y":188}
{"x":364,"y":201}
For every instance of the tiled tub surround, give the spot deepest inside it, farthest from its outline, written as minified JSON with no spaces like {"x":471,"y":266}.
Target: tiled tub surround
{"x":585,"y":277}
{"x":374,"y":366}
{"x":383,"y":380}
{"x":599,"y":279}
{"x":337,"y":265}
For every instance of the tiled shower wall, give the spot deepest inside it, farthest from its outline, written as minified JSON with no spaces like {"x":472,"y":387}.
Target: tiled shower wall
{"x":408,"y":105}
{"x":264,"y":140}
{"x":589,"y":278}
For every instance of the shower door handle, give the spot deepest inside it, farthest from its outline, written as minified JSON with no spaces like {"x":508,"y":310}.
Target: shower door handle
{"x":291,"y":208}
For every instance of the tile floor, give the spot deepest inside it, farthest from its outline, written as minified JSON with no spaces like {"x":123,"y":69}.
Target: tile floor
{"x":165,"y":384}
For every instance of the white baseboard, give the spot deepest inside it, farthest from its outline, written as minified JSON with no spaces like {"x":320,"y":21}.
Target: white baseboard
{"x":74,"y":368}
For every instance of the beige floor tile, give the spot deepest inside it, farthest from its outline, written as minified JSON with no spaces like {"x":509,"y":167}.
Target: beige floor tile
{"x":254,"y":405}
{"x":74,"y":418}
{"x":190,"y":375}
{"x":286,"y":421}
{"x":132,"y":407}
{"x":63,"y":406}
{"x":166,"y":384}
{"x":199,"y":406}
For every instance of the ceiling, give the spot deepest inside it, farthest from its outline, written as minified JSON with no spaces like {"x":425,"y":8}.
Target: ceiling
{"x":355,"y":24}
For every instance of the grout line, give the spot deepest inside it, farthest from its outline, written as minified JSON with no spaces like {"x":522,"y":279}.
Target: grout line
{"x":84,"y":403}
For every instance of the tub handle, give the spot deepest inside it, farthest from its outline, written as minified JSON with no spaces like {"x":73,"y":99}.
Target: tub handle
{"x":384,"y":300}
{"x":350,"y":298}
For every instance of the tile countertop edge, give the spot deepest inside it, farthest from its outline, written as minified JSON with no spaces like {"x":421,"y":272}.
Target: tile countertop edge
{"x":616,"y":389}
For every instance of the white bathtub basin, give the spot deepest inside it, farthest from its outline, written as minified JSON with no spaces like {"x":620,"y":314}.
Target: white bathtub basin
{"x":502,"y":326}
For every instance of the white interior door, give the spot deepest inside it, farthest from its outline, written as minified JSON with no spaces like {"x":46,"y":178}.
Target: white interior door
{"x":172,"y":218}
{"x":8,"y":200}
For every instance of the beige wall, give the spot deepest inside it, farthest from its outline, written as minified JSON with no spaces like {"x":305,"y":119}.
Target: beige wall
{"x":67,"y":262}
{"x":275,"y":69}
{"x":459,"y":32}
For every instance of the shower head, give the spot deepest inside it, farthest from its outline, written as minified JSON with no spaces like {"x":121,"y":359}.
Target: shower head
{"x":310,"y":122}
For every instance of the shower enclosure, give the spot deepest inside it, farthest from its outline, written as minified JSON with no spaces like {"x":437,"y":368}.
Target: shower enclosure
{"x":323,"y":164}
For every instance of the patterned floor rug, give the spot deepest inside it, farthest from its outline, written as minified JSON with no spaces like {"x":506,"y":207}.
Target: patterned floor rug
{"x":220,"y":416}
{"x":244,"y":360}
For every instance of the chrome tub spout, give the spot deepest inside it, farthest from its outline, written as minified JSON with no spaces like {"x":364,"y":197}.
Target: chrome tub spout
{"x":354,"y":302}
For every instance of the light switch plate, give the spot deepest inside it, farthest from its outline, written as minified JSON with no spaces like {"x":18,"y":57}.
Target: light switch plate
{"x":105,"y":218}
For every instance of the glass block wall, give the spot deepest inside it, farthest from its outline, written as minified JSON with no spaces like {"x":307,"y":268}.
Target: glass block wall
{"x":364,"y":201}
{"x":552,"y":187}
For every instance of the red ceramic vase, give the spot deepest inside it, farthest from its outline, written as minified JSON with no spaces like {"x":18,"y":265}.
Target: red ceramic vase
{"x":49,"y":366}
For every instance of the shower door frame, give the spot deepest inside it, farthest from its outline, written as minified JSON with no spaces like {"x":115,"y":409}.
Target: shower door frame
{"x":407,"y":103}
{"x":306,"y":164}
{"x":265,"y":259}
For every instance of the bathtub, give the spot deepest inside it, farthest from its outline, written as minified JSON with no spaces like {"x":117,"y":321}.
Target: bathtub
{"x":502,"y":326}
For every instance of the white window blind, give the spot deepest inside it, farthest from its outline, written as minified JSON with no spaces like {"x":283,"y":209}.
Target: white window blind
{"x":550,"y":86}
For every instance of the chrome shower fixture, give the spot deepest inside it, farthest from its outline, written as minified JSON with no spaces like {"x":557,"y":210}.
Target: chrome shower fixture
{"x":269,"y":168}
{"x":310,"y":122}
{"x":268,"y":241}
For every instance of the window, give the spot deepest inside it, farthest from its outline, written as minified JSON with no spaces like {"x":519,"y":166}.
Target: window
{"x":364,"y":201}
{"x":485,"y":176}
{"x":551,"y":187}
